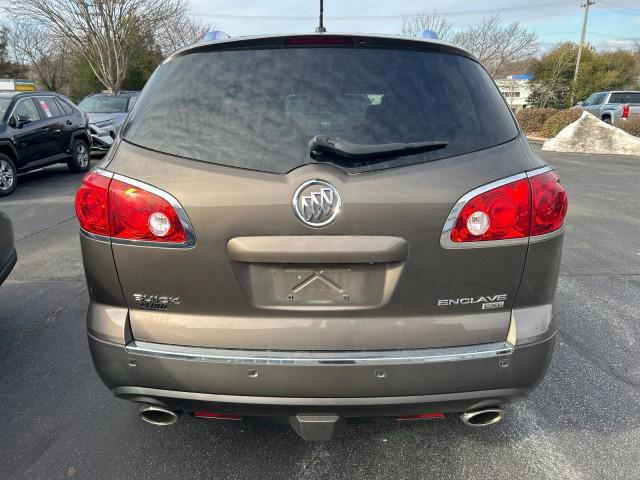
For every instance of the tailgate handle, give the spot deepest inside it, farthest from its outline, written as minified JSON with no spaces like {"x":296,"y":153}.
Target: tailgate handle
{"x":318,"y":249}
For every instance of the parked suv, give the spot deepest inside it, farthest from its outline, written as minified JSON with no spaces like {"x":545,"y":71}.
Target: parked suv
{"x":317,"y":228}
{"x":107,"y":112}
{"x":39,"y":129}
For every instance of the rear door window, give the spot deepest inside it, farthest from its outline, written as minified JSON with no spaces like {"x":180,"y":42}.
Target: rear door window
{"x":49,"y":107}
{"x":258,"y":109}
{"x":64,"y":106}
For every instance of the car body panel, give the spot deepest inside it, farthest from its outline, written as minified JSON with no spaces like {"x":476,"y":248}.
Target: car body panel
{"x":219,"y":208}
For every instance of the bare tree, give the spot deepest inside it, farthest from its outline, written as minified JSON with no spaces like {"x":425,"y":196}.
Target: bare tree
{"x":47,"y":55}
{"x":105,"y":32}
{"x":177,"y":33}
{"x":412,"y":26}
{"x":495,"y":44}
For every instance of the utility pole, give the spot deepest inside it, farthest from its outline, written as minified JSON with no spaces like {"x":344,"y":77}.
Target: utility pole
{"x":586,"y":6}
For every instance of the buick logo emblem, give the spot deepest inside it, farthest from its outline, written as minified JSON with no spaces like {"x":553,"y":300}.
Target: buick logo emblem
{"x":316,"y":203}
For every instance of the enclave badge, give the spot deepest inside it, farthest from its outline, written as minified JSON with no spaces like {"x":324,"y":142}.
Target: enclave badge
{"x":316,"y":203}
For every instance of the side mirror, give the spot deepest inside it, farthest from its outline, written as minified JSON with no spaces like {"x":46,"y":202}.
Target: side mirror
{"x":17,"y":120}
{"x":581,"y":104}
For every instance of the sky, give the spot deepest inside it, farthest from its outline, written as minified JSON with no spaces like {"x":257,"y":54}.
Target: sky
{"x":612,"y":23}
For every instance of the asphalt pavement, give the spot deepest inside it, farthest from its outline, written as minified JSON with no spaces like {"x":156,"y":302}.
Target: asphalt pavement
{"x":58,"y":421}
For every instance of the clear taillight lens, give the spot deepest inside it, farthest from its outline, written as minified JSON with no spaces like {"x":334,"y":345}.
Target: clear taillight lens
{"x":114,"y":208}
{"x":526,"y":207}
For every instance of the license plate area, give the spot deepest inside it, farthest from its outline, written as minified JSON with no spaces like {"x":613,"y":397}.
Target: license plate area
{"x":318,"y":287}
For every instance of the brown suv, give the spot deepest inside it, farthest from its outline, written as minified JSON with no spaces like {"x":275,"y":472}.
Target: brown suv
{"x":321,"y":227}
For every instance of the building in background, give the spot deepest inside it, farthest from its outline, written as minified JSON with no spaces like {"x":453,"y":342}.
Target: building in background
{"x":16,"y":84}
{"x":515,"y":89}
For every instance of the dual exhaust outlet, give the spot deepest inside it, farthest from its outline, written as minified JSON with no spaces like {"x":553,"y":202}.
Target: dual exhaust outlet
{"x":482,"y":417}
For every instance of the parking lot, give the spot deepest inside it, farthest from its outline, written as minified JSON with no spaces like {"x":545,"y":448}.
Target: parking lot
{"x":59,"y":421}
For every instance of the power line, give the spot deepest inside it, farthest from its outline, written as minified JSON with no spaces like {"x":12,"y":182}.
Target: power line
{"x":385,"y":17}
{"x":619,"y":7}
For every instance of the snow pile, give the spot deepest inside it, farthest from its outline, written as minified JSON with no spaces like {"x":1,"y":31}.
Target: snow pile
{"x":591,"y":135}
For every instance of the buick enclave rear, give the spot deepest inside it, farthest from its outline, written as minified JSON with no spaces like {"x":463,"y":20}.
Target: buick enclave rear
{"x":317,"y":228}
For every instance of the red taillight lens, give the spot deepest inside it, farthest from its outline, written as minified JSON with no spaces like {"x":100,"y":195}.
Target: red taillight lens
{"x":498,"y":214}
{"x":135,"y":214}
{"x":526,"y":207}
{"x":422,"y":416}
{"x":92,"y":204}
{"x":549,"y":203}
{"x":625,"y":111}
{"x":114,"y":208}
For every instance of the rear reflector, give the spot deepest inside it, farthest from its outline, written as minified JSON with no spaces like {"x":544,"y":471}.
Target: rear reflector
{"x":112,"y":207}
{"x":526,"y":207}
{"x":422,"y":416}
{"x":216,"y":416}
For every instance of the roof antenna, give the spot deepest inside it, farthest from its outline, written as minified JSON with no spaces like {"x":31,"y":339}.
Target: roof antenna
{"x":320,"y":28}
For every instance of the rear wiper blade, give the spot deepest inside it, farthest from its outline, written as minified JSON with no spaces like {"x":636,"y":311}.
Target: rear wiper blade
{"x":328,"y":144}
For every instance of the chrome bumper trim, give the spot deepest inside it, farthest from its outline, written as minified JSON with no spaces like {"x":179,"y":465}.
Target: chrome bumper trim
{"x":297,"y":358}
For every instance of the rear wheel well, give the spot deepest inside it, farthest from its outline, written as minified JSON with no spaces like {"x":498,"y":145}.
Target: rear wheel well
{"x":606,"y":117}
{"x":81,"y":136}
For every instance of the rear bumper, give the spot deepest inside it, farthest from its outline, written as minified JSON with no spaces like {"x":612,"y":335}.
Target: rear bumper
{"x":8,"y":265}
{"x":374,"y":387}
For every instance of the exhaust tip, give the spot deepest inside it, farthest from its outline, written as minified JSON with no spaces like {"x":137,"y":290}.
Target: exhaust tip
{"x":482,"y":417}
{"x":158,"y":415}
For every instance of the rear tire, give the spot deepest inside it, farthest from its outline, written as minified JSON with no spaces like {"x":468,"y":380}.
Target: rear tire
{"x":8,"y":175}
{"x":80,"y":160}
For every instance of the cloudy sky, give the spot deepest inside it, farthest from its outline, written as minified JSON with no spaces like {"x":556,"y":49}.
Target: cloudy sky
{"x":612,"y":23}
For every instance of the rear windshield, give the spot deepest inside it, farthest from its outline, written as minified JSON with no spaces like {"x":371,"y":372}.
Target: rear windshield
{"x":106,"y":104}
{"x":625,"y":97}
{"x":258,"y":109}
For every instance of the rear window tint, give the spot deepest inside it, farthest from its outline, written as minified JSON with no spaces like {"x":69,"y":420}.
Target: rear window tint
{"x":49,"y":106}
{"x":64,"y":106}
{"x":258,"y":109}
{"x":625,"y":97}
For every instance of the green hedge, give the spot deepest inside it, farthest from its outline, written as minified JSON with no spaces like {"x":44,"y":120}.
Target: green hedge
{"x":532,"y":119}
{"x":631,"y":125}
{"x":559,"y":120}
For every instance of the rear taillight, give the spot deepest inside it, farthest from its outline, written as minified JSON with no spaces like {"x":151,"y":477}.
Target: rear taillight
{"x":498,"y":214}
{"x":136,"y":214}
{"x":92,"y":204}
{"x":529,"y":206}
{"x":126,"y":211}
{"x":625,"y":111}
{"x":548,"y":203}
